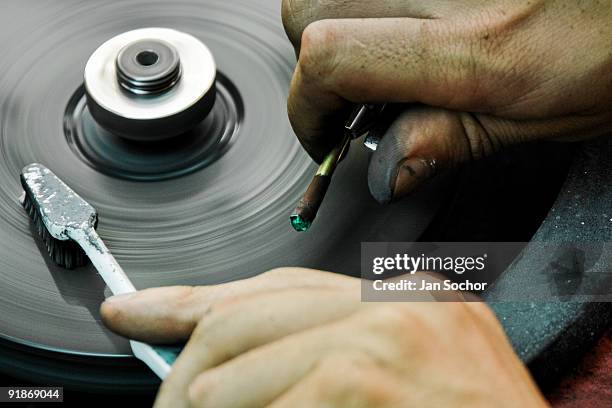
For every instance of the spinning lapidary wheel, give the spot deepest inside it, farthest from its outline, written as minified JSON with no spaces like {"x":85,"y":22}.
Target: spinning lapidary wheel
{"x":178,"y":135}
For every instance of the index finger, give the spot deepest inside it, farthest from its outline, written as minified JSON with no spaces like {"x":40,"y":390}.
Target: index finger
{"x":397,"y":60}
{"x":169,"y":314}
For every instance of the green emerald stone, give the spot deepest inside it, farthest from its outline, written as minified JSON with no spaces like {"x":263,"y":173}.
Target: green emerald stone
{"x":298,"y":223}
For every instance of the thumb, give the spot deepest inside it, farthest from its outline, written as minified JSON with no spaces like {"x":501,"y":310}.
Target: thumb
{"x":418,"y":144}
{"x":157,"y":315}
{"x":424,"y":141}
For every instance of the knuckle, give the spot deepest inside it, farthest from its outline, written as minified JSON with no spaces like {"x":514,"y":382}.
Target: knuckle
{"x":458,"y":313}
{"x":464,"y":316}
{"x":110,"y":313}
{"x":191,"y":304}
{"x":346,"y":363}
{"x":316,"y":53}
{"x":479,"y":139}
{"x":199,"y":390}
{"x":188,"y":296}
{"x":294,"y":111}
{"x":199,"y":334}
{"x":358,"y":382}
{"x":483,"y":313}
{"x":396,"y":317}
{"x":400,"y":322}
{"x":209,"y":336}
{"x":292,"y":12}
{"x":204,"y":332}
{"x":376,"y":388}
{"x":210,"y":323}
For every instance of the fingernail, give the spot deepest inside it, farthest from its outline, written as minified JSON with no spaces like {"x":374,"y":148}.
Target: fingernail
{"x":119,"y":298}
{"x":410,"y":174}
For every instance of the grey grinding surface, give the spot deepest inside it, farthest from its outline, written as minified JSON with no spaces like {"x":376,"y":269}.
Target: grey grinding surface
{"x":549,"y":335}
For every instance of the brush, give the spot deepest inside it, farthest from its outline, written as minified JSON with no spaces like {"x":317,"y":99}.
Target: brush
{"x":67,"y":225}
{"x":361,"y":120}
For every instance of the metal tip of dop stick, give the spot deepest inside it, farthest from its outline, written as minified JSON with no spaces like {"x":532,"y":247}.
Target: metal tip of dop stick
{"x":59,"y":207}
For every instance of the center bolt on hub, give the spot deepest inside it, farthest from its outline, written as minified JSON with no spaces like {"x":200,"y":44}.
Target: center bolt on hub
{"x":148,"y":67}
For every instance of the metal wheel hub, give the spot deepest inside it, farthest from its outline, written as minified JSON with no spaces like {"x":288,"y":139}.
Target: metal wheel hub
{"x":150,"y":83}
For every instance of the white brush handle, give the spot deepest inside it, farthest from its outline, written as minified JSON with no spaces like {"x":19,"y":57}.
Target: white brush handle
{"x":119,"y":283}
{"x":152,"y":357}
{"x":110,"y":270}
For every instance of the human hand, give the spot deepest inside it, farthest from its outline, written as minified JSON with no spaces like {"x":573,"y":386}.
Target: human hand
{"x":481,"y":76}
{"x":302,"y":338}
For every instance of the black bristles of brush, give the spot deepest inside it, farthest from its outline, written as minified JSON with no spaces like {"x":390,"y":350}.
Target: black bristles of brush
{"x":67,"y":254}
